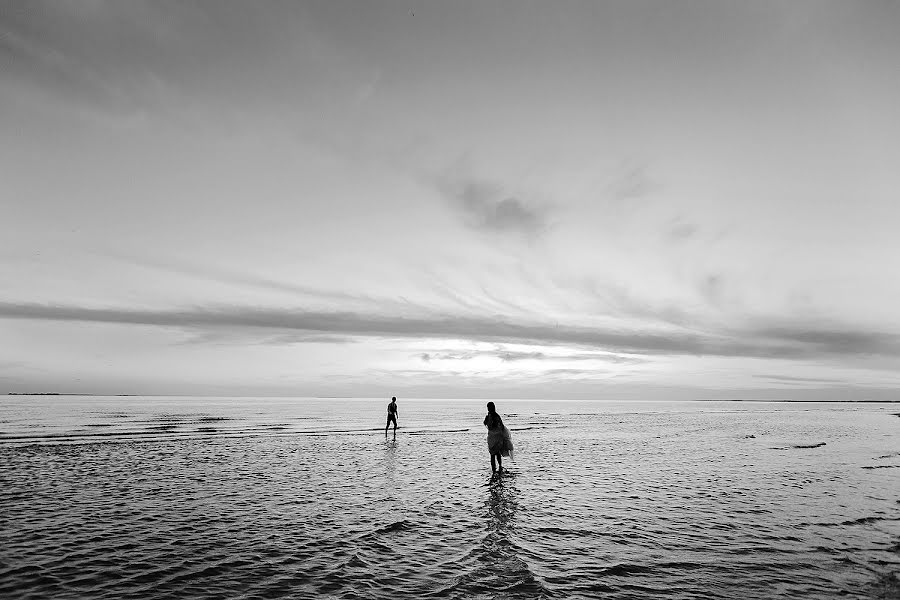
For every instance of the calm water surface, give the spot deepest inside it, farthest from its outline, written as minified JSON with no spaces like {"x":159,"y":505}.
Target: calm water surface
{"x":299,"y":498}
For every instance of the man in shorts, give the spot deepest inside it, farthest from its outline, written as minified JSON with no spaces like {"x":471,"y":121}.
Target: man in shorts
{"x":392,"y":415}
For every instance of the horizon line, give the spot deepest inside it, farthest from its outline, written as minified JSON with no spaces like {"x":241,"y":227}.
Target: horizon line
{"x":436,"y":398}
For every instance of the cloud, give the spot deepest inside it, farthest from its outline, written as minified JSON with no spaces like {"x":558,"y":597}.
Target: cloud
{"x":803,"y":380}
{"x":618,"y":300}
{"x":488,"y":207}
{"x":834,"y":341}
{"x":572,"y":373}
{"x":767,"y":343}
{"x":263,"y":337}
{"x":504,"y":355}
{"x":517,"y":355}
{"x":237,"y":277}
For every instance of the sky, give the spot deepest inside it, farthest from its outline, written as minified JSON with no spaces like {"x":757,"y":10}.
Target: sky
{"x":592,"y":200}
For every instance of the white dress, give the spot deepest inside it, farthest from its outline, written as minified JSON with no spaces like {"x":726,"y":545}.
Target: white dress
{"x":499,"y":439}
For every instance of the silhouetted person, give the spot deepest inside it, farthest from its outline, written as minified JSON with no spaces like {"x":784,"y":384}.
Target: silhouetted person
{"x":499,"y":440}
{"x":392,"y":415}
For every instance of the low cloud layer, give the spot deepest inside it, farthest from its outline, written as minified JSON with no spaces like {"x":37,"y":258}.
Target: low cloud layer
{"x":761,"y":343}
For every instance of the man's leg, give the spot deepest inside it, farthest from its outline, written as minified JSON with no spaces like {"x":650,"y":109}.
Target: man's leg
{"x":500,"y":462}
{"x":493,"y":463}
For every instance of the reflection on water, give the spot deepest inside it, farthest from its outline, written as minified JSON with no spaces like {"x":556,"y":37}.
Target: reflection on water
{"x":501,"y":504}
{"x":390,"y":458}
{"x":502,"y":567}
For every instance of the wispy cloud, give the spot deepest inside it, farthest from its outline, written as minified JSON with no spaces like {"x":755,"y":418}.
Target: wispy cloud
{"x":619,"y":300}
{"x":489,"y":207}
{"x":239,"y":278}
{"x":769,"y":343}
{"x":803,"y":380}
{"x":265,"y":337}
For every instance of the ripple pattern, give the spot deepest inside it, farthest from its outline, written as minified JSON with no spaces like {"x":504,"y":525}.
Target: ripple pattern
{"x":698,"y":502}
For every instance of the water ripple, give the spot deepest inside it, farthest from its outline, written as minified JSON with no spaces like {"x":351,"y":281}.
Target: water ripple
{"x":672,"y":503}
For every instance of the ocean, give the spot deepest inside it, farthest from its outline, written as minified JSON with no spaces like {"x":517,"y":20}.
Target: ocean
{"x":187,"y":497}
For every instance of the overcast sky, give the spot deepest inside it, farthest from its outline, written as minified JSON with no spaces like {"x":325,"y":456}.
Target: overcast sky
{"x":670,"y":199}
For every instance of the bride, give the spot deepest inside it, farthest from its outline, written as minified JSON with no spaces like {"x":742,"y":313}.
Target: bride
{"x":499,"y":440}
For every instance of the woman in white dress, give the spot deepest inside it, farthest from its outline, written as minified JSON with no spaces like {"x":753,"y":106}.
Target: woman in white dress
{"x":499,"y":440}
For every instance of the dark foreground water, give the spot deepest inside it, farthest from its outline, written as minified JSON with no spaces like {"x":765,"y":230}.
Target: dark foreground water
{"x":261,"y":498}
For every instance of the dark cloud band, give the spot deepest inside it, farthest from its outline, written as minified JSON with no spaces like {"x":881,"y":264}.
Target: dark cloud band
{"x":764,"y":343}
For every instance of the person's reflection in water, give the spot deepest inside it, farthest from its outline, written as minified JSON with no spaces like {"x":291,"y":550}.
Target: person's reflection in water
{"x":503,"y":568}
{"x":390,"y":446}
{"x":390,"y":463}
{"x":501,"y":504}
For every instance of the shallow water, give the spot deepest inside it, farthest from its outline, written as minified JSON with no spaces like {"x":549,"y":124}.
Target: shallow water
{"x":268,"y":498}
